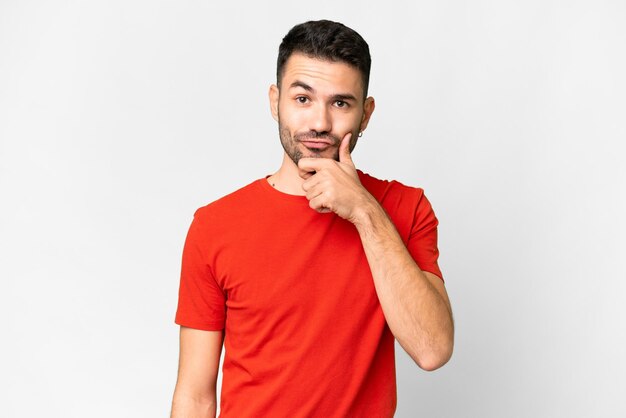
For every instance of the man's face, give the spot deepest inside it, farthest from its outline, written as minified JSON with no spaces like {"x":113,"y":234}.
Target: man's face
{"x":318,"y":103}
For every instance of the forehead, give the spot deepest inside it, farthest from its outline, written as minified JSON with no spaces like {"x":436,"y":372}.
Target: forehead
{"x":330,"y":77}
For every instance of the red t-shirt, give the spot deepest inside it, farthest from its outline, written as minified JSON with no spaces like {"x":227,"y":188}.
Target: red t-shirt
{"x":305,"y":335}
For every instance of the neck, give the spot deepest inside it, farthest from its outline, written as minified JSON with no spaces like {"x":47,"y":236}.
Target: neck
{"x":287,"y":179}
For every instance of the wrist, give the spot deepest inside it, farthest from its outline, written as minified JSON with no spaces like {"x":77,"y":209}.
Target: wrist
{"x":366,"y":212}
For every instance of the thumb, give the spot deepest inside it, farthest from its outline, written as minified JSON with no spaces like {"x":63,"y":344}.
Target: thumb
{"x":344,"y":149}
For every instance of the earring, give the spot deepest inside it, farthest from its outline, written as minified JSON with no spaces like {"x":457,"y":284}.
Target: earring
{"x":360,"y":134}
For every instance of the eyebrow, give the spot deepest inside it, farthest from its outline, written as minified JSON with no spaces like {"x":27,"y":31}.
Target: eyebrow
{"x":303,"y":85}
{"x":344,"y":97}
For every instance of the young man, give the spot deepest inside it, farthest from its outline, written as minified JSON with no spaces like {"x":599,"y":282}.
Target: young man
{"x":310,"y":273}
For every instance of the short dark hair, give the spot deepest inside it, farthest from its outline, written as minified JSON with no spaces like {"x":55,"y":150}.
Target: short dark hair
{"x":326,"y":40}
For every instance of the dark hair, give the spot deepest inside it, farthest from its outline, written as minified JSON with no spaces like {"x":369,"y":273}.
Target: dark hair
{"x":326,"y":40}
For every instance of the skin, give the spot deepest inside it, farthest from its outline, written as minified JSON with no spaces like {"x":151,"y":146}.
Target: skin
{"x":324,"y":101}
{"x":194,"y":395}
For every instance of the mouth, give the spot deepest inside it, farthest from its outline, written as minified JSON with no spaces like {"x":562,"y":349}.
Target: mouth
{"x":316,"y":145}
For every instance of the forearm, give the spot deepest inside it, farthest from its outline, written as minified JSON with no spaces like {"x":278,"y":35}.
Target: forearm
{"x":418,"y":315}
{"x":184,"y":406}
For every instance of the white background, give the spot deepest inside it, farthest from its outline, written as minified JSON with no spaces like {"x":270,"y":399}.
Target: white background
{"x":119,"y":118}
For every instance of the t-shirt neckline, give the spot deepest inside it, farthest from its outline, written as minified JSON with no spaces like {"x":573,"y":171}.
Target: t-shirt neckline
{"x":287,"y":197}
{"x":277,"y":194}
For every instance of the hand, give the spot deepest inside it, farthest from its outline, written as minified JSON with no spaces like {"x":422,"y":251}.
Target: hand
{"x":333,"y":186}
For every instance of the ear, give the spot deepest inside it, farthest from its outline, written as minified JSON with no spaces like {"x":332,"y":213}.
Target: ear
{"x":368,"y":109}
{"x":273,"y":95}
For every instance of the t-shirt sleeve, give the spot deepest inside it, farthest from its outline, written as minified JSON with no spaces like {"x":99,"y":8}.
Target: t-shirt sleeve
{"x":422,"y":242}
{"x":201,"y":301}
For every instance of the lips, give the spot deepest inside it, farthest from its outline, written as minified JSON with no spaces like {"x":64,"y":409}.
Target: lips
{"x":316,"y":144}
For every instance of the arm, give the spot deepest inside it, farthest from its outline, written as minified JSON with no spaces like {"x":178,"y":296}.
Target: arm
{"x":194,"y":395}
{"x":415,"y":303}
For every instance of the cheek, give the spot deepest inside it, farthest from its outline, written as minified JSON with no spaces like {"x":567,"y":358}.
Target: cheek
{"x":291,"y":116}
{"x":347,"y":123}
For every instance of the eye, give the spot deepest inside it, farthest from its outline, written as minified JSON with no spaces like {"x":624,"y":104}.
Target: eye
{"x":302,"y":99}
{"x":341,"y":104}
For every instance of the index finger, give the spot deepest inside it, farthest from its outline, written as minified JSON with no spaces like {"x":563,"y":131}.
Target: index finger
{"x":309,"y":166}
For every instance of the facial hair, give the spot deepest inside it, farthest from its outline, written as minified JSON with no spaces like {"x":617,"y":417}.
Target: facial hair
{"x":290,"y":143}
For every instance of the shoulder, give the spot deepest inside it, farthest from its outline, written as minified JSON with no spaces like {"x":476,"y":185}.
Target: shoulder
{"x":230,"y":205}
{"x":407,"y":206}
{"x":390,"y":190}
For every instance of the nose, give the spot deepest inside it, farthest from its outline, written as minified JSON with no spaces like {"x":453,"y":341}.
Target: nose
{"x":320,"y":120}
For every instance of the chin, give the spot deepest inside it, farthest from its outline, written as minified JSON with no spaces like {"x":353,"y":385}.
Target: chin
{"x":318,"y":155}
{"x":328,"y":153}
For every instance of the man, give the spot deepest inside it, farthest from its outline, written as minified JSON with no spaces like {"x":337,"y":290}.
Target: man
{"x":307,"y":275}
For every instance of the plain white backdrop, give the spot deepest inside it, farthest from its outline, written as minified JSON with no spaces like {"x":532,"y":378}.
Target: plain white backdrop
{"x":119,"y":118}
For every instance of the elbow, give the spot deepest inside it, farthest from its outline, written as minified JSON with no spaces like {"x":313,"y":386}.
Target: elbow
{"x":434,"y":358}
{"x":432,"y":363}
{"x":185,"y":404}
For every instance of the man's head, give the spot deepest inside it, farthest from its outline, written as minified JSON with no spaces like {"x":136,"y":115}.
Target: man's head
{"x":321,"y":92}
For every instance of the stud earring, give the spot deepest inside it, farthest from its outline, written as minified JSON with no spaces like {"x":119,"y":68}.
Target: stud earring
{"x":360,"y":134}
